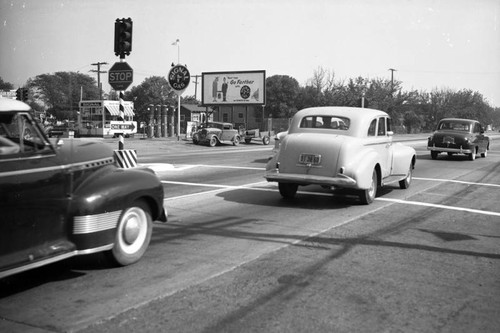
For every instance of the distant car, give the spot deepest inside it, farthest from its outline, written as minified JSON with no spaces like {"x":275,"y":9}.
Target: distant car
{"x":340,"y":147}
{"x":62,"y":199}
{"x":215,"y":133}
{"x":61,"y":131}
{"x":458,"y":136}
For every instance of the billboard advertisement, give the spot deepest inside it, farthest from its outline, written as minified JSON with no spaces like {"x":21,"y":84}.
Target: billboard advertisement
{"x":233,"y":88}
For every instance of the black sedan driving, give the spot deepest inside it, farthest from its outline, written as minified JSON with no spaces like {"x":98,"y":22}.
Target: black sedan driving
{"x":458,"y":136}
{"x":61,"y":198}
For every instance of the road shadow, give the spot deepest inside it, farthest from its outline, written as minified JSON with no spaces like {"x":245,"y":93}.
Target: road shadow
{"x":68,"y":269}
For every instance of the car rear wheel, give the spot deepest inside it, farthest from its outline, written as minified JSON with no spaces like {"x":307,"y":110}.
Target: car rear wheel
{"x":367,"y":196}
{"x":213,"y":141}
{"x":405,"y":183}
{"x":236,"y":140}
{"x":196,"y":139}
{"x":434,"y":154}
{"x":288,"y":190}
{"x":133,"y":234}
{"x":266,"y":140}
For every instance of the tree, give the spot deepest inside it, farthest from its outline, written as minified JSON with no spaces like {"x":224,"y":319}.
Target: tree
{"x":61,"y":91}
{"x":5,"y":85}
{"x":281,"y":95}
{"x":154,"y":90}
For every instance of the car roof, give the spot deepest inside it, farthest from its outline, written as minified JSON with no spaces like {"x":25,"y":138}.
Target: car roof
{"x":458,"y":119}
{"x":9,"y":105}
{"x":360,"y":117}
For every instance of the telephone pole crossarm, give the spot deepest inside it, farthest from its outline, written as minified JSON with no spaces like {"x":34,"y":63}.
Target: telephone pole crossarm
{"x":99,"y":72}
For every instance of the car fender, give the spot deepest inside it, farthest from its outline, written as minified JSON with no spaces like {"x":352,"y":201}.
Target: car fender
{"x":402,"y":157}
{"x":361,"y":168}
{"x":113,"y":189}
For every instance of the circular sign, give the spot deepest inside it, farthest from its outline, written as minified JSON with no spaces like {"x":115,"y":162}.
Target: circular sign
{"x":245,"y":92}
{"x":179,"y":78}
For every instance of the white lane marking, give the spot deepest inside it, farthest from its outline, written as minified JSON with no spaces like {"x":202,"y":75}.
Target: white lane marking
{"x":418,"y":203}
{"x":224,"y":167}
{"x":159,"y":167}
{"x":456,"y":181}
{"x":221,"y":188}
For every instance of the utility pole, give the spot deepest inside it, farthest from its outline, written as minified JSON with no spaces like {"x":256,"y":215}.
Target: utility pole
{"x":196,"y":84}
{"x":98,"y":71}
{"x":392,"y":80}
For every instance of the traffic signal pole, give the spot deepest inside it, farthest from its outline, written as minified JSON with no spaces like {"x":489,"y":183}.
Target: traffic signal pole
{"x":122,"y":114}
{"x":123,"y":46}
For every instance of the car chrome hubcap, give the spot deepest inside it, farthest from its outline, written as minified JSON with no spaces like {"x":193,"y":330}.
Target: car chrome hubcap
{"x":131,"y":230}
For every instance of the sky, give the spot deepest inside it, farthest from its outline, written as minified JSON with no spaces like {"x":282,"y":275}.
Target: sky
{"x":431,"y":44}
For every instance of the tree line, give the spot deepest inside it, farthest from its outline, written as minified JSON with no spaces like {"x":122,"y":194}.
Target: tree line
{"x":411,"y":111}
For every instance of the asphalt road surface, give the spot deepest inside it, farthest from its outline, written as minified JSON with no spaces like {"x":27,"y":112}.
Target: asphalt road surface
{"x":236,"y":257}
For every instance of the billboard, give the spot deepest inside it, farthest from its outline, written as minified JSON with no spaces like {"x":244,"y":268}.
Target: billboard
{"x":233,"y":88}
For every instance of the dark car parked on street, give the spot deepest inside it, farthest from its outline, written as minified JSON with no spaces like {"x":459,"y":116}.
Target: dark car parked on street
{"x":458,"y":136}
{"x":62,"y":199}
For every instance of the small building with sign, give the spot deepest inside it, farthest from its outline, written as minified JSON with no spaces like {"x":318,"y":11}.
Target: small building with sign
{"x":101,"y":118}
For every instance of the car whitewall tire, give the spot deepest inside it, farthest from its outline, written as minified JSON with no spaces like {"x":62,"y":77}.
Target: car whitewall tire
{"x":133,"y":234}
{"x":405,"y":183}
{"x":472,"y":156}
{"x":367,"y":196}
{"x":213,"y":141}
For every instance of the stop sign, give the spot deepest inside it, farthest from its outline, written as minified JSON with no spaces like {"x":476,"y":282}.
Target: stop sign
{"x":120,"y":76}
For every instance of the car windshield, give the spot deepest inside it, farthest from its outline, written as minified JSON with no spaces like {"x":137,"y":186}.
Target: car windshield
{"x":454,"y":126}
{"x":328,"y":122}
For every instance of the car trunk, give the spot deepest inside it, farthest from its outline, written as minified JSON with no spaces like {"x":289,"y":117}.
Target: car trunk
{"x":311,"y":154}
{"x":450,"y":139}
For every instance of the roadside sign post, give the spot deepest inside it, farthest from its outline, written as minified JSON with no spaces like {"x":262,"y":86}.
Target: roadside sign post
{"x":178,"y":79}
{"x":120,"y":77}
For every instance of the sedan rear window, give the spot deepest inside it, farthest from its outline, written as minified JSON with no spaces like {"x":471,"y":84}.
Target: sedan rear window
{"x":328,"y":122}
{"x":454,"y":126}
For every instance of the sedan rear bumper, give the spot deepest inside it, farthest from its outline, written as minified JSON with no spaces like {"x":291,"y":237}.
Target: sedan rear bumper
{"x":450,"y":150}
{"x":300,"y":179}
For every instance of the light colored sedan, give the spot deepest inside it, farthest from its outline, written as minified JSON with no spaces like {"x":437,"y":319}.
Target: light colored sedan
{"x":340,"y":147}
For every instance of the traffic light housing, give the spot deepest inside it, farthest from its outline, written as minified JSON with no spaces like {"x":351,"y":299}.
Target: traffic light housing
{"x":123,"y":37}
{"x":19,"y":94}
{"x":24,"y":94}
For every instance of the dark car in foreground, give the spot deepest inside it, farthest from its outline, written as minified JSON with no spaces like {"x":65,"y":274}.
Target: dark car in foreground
{"x":60,"y":199}
{"x":458,"y":136}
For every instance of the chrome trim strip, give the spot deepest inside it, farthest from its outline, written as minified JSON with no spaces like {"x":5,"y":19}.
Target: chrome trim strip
{"x":94,"y":223}
{"x":54,"y":259}
{"x":81,"y":165}
{"x":340,"y":180}
{"x":450,"y":150}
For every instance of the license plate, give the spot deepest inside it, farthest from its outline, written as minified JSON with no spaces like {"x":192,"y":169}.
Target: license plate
{"x":310,"y":159}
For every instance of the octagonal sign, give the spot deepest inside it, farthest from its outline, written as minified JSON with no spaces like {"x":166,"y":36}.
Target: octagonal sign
{"x":121,"y":76}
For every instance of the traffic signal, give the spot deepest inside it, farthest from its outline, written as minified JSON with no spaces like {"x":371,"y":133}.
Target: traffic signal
{"x":123,"y":37}
{"x":24,"y":94}
{"x":19,"y":94}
